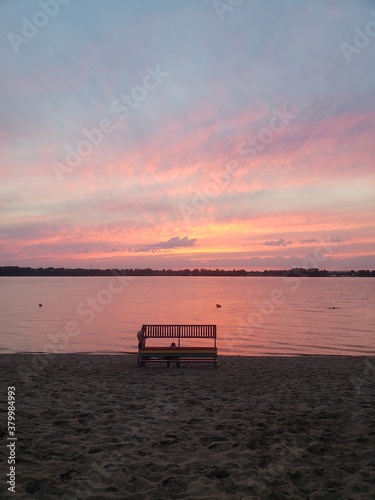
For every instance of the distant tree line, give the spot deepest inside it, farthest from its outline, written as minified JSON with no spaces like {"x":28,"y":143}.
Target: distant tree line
{"x":62,"y":271}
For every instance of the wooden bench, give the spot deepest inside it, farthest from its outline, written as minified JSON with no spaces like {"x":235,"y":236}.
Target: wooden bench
{"x":179,"y":354}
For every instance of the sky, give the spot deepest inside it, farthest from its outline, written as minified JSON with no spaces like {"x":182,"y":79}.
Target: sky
{"x":187,"y":134}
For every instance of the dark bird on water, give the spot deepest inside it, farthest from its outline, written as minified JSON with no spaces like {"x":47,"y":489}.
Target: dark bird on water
{"x":218,"y":305}
{"x":40,"y":305}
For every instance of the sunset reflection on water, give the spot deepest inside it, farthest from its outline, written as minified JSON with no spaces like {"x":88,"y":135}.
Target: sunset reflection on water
{"x":259,"y":315}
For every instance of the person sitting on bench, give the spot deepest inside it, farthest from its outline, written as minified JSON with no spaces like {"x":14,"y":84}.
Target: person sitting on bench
{"x":173,"y":346}
{"x":141,"y":339}
{"x":141,"y":343}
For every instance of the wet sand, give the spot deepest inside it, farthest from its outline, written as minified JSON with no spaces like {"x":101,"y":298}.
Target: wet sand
{"x":268,"y":427}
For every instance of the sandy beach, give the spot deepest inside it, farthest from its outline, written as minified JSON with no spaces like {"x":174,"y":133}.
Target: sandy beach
{"x":97,"y":427}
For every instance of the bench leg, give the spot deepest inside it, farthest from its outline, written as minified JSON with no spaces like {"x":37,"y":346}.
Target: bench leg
{"x":140,"y":362}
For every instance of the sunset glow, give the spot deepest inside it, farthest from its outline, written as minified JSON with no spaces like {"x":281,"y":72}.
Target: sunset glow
{"x":169,"y":134}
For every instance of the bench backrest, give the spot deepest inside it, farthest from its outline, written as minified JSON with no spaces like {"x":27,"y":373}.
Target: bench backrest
{"x":180,"y":331}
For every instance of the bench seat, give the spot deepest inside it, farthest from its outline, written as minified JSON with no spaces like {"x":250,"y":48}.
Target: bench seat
{"x":178,"y":354}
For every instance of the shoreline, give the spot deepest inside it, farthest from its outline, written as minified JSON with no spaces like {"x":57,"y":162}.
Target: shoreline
{"x":299,"y":272}
{"x":95,"y":426}
{"x":134,"y":353}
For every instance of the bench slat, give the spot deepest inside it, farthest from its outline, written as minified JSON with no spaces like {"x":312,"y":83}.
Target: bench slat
{"x":209,"y":360}
{"x":178,"y":349}
{"x":180,"y":331}
{"x":176,"y":357}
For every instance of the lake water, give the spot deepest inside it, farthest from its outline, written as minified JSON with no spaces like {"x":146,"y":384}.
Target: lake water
{"x":259,"y":315}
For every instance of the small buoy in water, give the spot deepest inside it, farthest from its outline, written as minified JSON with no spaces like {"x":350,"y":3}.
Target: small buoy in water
{"x":40,"y":305}
{"x":218,"y":305}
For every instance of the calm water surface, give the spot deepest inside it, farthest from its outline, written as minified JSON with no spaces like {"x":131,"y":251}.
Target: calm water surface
{"x":259,"y":315}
